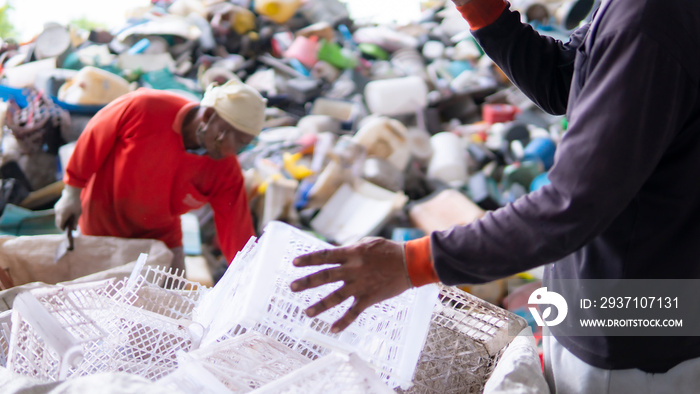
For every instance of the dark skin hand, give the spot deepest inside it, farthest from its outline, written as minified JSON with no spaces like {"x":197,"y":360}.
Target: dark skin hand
{"x":371,"y":270}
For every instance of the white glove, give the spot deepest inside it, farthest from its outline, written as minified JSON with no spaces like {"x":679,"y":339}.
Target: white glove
{"x":68,"y":206}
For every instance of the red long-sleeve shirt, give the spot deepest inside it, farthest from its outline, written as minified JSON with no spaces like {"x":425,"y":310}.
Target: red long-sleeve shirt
{"x":138,"y":178}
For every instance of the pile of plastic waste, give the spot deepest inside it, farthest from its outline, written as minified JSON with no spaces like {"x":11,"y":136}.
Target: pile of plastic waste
{"x":384,"y":129}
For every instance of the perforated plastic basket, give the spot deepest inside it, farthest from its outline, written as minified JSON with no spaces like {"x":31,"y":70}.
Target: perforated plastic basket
{"x":161,"y":291}
{"x":5,"y":330}
{"x":240,"y":364}
{"x":335,"y":373}
{"x":50,"y":327}
{"x":464,"y":343}
{"x":63,"y":332}
{"x":389,"y":335}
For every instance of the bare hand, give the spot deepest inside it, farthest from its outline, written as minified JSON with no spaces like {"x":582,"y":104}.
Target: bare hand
{"x":372,"y":271}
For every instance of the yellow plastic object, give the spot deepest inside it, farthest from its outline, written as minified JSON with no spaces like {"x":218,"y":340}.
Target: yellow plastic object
{"x":297,"y":171}
{"x":263,"y":186}
{"x":243,"y":21}
{"x":279,"y":11}
{"x":527,"y":276}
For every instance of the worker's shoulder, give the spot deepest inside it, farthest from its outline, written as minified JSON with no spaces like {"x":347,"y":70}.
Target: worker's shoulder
{"x":672,"y":25}
{"x":676,"y":20}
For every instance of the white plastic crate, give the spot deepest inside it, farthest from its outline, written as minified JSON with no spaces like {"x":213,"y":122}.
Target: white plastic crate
{"x":161,"y":291}
{"x":5,"y":332}
{"x":191,"y":378}
{"x":241,"y":364}
{"x":389,"y":335}
{"x":335,"y":373}
{"x":64,"y":332}
{"x":464,"y":342}
{"x":50,"y":327}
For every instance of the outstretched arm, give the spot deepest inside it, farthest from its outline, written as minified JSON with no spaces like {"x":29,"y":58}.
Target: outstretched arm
{"x":540,"y":66}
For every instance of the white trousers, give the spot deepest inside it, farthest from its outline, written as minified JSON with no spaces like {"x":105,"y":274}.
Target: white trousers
{"x":566,"y":373}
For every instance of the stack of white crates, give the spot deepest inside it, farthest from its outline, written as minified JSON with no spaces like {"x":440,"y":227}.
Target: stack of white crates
{"x":250,"y":333}
{"x":64,"y":332}
{"x":389,"y":335}
{"x":236,"y":365}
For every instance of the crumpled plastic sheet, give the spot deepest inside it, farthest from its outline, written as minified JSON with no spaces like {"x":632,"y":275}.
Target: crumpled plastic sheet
{"x":519,"y":370}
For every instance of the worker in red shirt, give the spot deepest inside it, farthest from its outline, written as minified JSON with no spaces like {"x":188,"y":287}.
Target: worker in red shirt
{"x":136,"y":167}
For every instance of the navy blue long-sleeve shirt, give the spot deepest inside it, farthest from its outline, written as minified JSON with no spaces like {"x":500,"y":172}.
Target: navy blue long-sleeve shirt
{"x":623,"y":200}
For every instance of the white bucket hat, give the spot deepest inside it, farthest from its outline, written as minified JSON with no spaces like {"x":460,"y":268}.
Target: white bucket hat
{"x":238,"y":104}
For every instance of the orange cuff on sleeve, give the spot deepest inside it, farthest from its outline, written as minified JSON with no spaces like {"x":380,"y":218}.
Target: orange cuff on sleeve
{"x":419,"y":262}
{"x":481,"y":13}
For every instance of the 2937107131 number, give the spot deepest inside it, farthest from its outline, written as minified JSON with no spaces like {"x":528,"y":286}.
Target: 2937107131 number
{"x":638,"y":302}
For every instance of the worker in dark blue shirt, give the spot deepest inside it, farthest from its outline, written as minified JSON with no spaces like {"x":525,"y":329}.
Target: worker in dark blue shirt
{"x":623,"y":202}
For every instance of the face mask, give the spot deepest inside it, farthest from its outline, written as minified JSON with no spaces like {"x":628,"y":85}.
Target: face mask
{"x":198,"y":151}
{"x":248,"y":147}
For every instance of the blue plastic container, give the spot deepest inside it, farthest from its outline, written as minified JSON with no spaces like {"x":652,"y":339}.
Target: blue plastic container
{"x":539,"y":181}
{"x":19,"y":95}
{"x":403,"y":234}
{"x":542,"y":149}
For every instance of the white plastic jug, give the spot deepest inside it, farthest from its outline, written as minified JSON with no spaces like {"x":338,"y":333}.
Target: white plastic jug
{"x":93,"y":86}
{"x":24,"y":75}
{"x":385,"y":138}
{"x":396,"y":96}
{"x":449,"y":160}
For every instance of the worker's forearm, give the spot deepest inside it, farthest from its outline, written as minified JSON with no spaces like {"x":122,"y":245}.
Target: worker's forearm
{"x":541,"y":66}
{"x":600,"y":184}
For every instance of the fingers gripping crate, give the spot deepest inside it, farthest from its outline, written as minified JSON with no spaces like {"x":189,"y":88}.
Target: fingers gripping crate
{"x":241,"y":364}
{"x":465,"y":340}
{"x":335,"y":373}
{"x":388,"y":335}
{"x":59,"y":333}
